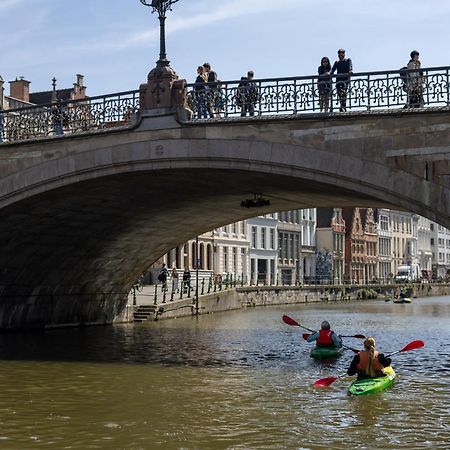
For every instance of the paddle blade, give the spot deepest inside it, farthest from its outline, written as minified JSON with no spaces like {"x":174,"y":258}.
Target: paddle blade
{"x":305,"y":336}
{"x":412,"y":346}
{"x":288,"y":320}
{"x":323,"y":382}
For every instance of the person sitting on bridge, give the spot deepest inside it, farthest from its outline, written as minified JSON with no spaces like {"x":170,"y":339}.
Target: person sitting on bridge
{"x":325,"y":337}
{"x":368,"y":363}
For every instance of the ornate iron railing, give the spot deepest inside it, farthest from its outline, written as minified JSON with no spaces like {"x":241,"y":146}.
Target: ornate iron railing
{"x":366,"y":91}
{"x":68,"y":117}
{"x":369,"y":91}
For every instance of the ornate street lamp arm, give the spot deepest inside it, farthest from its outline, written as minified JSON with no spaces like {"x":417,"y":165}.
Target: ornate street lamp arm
{"x":162,"y":6}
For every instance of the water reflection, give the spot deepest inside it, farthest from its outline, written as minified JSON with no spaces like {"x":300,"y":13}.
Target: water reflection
{"x":239,"y":380}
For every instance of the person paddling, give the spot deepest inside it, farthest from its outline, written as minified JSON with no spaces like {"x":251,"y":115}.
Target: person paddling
{"x":325,"y":337}
{"x":369,"y":363}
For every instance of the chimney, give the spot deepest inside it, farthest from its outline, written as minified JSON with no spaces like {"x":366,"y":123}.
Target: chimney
{"x":79,"y":90}
{"x":20,"y":89}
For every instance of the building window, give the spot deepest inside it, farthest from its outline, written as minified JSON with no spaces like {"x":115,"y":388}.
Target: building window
{"x":263,"y":238}
{"x":254,"y":237}
{"x":225,"y":259}
{"x":272,"y":238}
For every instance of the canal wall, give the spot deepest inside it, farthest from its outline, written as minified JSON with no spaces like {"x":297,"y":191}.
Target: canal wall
{"x":242,"y":297}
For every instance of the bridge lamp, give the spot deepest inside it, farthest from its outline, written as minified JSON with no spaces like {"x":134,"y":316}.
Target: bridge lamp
{"x":257,"y":202}
{"x":161,"y":6}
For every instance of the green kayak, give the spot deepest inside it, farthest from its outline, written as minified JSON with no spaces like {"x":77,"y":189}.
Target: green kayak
{"x":370,"y":385}
{"x":325,"y":352}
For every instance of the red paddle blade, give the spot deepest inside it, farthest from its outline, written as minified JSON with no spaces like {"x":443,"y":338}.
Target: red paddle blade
{"x":412,"y":346}
{"x":359,"y":336}
{"x":288,"y":320}
{"x":305,"y":336}
{"x":323,"y":382}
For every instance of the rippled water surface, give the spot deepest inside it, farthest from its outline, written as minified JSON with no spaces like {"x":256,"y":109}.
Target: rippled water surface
{"x":239,"y":380}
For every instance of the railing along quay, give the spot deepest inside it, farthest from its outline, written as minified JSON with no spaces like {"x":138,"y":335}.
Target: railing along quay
{"x":364,"y":92}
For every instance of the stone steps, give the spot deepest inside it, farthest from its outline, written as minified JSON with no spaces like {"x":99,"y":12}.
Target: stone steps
{"x":144,"y":313}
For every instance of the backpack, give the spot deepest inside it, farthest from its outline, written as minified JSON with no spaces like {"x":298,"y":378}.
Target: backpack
{"x":404,"y":76}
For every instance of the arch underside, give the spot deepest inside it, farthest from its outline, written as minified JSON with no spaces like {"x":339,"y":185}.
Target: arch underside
{"x":71,"y":254}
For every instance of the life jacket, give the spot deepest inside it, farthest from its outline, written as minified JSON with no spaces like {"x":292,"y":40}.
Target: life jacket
{"x":364,"y":362}
{"x":324,"y":338}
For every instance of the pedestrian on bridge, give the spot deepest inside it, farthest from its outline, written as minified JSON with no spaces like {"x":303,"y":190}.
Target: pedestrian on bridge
{"x":344,"y":68}
{"x":415,"y":81}
{"x":211,"y":88}
{"x":200,"y":92}
{"x":324,"y":84}
{"x":247,"y":95}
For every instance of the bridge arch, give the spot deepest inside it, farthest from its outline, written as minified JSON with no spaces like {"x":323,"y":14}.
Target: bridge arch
{"x":99,"y":208}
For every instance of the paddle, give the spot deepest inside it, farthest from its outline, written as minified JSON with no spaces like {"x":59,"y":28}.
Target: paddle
{"x":289,"y":321}
{"x":358,"y":336}
{"x":411,"y":346}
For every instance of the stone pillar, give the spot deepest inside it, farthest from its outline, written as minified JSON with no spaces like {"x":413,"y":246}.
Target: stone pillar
{"x":157,"y":92}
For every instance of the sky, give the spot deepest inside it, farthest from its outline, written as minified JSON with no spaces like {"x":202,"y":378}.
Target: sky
{"x":115,"y":43}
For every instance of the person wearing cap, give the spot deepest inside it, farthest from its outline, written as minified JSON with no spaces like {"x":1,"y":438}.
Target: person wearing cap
{"x":325,"y":337}
{"x":344,"y":68}
{"x":211,"y":87}
{"x":415,"y":81}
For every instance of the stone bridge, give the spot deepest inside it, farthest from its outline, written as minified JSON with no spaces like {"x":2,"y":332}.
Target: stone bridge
{"x":82,"y":216}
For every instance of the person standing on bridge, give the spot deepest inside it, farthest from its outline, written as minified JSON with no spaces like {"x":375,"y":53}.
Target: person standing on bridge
{"x":324,"y":84}
{"x":211,"y":88}
{"x":200,"y":92}
{"x":344,"y":68}
{"x":415,"y":81}
{"x":246,"y":96}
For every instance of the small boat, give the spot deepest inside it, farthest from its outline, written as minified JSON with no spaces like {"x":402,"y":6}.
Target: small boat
{"x":402,"y":300}
{"x":371,"y":385}
{"x":320,"y":352}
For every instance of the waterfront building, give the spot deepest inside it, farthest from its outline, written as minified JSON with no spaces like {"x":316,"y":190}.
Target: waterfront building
{"x":385,"y":259}
{"x":361,"y":245}
{"x":424,"y":248}
{"x":290,"y":247}
{"x":308,"y":235}
{"x":440,"y":246}
{"x":330,"y":239}
{"x":404,"y":239}
{"x":263,"y":252}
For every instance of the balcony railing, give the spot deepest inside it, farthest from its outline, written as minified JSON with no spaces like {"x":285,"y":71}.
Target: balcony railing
{"x":363,"y":92}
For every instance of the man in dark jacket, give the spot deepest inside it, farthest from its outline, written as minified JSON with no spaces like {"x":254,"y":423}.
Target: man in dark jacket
{"x":344,"y":68}
{"x":211,"y":87}
{"x":247,"y":94}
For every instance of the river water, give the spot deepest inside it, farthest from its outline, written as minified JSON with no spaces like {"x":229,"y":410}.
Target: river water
{"x":238,"y":380}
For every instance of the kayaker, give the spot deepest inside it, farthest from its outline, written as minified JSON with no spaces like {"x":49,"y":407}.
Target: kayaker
{"x":368,"y":363}
{"x":325,"y":337}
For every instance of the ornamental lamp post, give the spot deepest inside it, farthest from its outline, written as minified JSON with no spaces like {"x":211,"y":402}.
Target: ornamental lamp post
{"x":163,"y":90}
{"x":162,"y":6}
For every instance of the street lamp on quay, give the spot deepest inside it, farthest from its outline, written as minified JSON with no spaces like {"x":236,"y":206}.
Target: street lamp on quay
{"x":161,"y":6}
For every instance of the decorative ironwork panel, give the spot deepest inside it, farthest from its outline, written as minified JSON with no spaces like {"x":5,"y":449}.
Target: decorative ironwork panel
{"x":68,"y":117}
